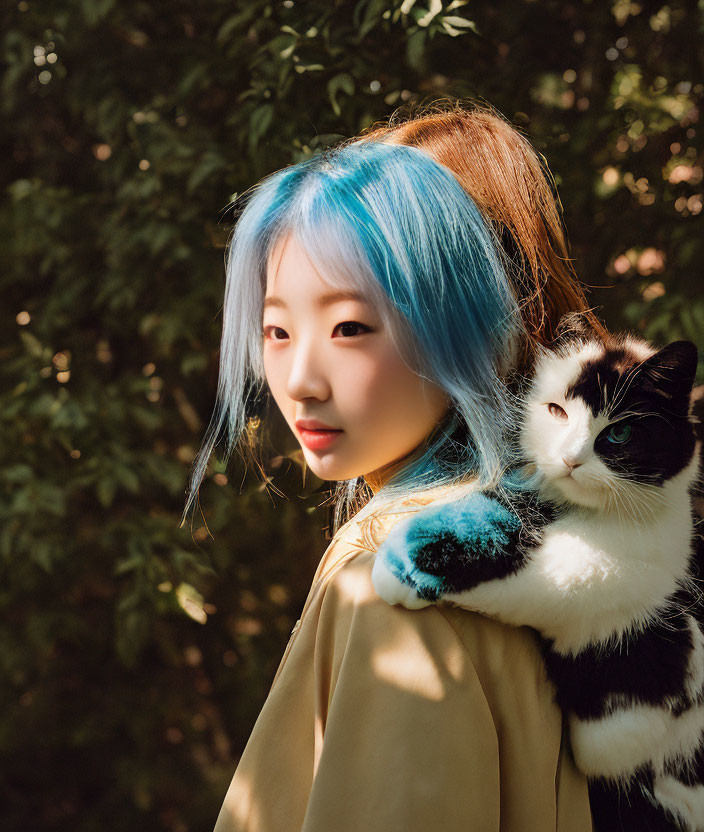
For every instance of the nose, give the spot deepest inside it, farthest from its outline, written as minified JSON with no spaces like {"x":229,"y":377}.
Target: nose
{"x":306,"y":377}
{"x":571,"y":463}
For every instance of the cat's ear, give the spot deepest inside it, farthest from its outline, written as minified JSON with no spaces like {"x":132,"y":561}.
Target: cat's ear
{"x":672,"y":369}
{"x":572,"y":327}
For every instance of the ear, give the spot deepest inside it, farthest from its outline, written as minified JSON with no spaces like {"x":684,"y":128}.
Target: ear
{"x":673,"y":368}
{"x":572,"y":327}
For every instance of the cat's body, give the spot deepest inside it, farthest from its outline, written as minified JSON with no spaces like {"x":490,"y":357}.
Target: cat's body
{"x":599,"y":557}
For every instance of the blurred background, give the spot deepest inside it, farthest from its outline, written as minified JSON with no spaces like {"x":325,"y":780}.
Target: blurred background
{"x":135,"y":655}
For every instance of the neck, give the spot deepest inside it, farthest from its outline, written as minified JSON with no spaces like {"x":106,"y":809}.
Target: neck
{"x":377,"y":479}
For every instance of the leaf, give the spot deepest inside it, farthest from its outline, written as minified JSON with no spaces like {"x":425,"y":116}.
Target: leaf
{"x":209,"y":163}
{"x":193,"y":362}
{"x":191,"y":602}
{"x":237,"y":20}
{"x":343,"y":82}
{"x":105,"y":491}
{"x":372,"y":16}
{"x":460,"y":23}
{"x":132,"y":628}
{"x":128,"y":564}
{"x":197,"y":76}
{"x":452,"y":30}
{"x":259,"y":123}
{"x":126,"y":477}
{"x":95,"y":10}
{"x":160,"y":235}
{"x":32,"y":344}
{"x":431,"y":14}
{"x":415,"y":47}
{"x":42,"y":555}
{"x":301,"y":68}
{"x":18,"y":473}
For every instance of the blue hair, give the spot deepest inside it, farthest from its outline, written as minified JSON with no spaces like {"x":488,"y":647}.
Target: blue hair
{"x":397,"y":226}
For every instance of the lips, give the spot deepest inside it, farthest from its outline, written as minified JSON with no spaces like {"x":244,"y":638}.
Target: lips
{"x":313,"y":424}
{"x":315,"y":435}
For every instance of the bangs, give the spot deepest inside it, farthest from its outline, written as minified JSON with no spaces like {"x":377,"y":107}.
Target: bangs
{"x":341,"y":239}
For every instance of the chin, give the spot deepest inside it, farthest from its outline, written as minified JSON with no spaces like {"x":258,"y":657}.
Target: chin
{"x":328,"y":469}
{"x":568,"y":491}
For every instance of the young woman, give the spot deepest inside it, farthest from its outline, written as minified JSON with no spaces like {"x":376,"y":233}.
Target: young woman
{"x":388,"y":319}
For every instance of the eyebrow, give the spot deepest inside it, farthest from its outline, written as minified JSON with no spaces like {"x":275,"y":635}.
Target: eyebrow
{"x":323,"y":300}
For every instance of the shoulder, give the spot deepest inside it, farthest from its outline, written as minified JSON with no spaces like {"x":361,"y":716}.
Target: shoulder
{"x":461,"y":643}
{"x":409,"y":690}
{"x":463,"y":669}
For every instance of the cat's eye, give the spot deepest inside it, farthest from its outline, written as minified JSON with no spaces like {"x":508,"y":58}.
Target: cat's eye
{"x":618,"y":434}
{"x":557,"y":411}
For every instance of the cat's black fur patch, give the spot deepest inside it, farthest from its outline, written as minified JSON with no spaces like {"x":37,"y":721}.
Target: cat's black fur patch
{"x":630,"y":808}
{"x":652,"y":397}
{"x":448,"y":557}
{"x":647,"y":666}
{"x":691,"y":774}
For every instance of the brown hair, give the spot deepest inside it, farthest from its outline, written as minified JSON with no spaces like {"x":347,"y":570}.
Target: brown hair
{"x":503,"y":174}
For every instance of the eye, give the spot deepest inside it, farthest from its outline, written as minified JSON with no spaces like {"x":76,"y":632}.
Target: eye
{"x":618,"y":434}
{"x":268,"y":329}
{"x":557,"y":411}
{"x":353,"y":324}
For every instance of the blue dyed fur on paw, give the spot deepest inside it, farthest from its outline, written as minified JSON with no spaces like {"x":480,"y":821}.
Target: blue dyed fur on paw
{"x":453,"y":546}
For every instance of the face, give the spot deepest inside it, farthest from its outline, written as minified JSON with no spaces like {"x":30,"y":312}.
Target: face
{"x":600,"y":431}
{"x":331,"y":360}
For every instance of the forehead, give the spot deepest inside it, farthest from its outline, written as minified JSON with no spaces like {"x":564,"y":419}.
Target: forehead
{"x":609,"y":381}
{"x":288,"y":258}
{"x":555,"y":372}
{"x":603,"y":378}
{"x":292,"y":274}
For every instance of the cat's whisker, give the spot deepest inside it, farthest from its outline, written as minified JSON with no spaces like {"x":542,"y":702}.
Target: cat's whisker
{"x":637,"y":501}
{"x":624,"y":386}
{"x":616,"y":497}
{"x":634,"y":508}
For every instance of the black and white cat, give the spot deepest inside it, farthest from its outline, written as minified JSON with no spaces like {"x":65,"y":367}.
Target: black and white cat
{"x":600,"y":556}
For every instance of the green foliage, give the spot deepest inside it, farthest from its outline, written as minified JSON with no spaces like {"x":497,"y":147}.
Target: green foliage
{"x":135,"y":654}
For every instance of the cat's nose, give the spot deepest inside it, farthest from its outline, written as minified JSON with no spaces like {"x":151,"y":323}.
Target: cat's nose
{"x":571,"y":463}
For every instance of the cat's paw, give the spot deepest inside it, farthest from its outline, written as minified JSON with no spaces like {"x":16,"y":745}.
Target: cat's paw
{"x":393,"y":590}
{"x":446,"y":549}
{"x":396,"y":576}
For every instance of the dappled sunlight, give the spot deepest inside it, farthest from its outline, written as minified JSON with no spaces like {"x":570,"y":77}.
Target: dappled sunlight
{"x":399,"y":667}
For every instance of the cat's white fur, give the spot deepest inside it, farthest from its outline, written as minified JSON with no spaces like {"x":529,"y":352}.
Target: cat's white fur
{"x":604,"y":567}
{"x":685,"y":801}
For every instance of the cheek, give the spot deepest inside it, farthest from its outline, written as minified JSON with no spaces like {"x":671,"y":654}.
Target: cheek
{"x":539,"y":435}
{"x":275,"y":375}
{"x":378,"y":389}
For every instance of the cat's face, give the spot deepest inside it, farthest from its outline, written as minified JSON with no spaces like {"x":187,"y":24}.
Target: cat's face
{"x":606,"y":425}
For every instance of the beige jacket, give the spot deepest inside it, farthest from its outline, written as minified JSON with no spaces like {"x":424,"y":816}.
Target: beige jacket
{"x":382,"y":719}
